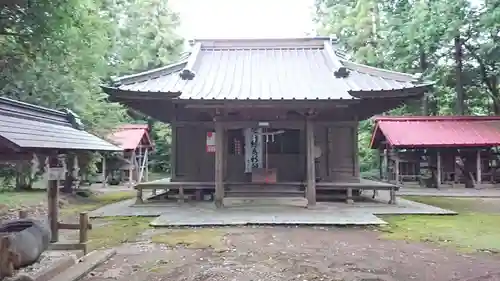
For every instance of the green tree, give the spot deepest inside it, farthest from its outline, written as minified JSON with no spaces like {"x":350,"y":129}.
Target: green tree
{"x":453,"y":43}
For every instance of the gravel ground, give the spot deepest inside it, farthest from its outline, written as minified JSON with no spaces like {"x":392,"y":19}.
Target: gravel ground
{"x":296,"y":254}
{"x":47,"y":259}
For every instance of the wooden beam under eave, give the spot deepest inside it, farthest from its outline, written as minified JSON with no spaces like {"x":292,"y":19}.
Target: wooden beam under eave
{"x":269,"y":104}
{"x":158,"y":109}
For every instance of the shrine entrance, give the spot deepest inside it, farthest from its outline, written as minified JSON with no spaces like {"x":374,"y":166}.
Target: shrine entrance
{"x":266,"y":155}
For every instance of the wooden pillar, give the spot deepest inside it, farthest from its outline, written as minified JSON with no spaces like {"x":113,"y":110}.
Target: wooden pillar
{"x":146,"y":176}
{"x":76,"y":171}
{"x":386,"y":165}
{"x":380,"y":164}
{"x":396,"y":166}
{"x":84,"y":227}
{"x":219,"y":164}
{"x":438,"y":171}
{"x":131,"y":169}
{"x":173,"y":152}
{"x":356,"y":149}
{"x":311,"y":173}
{"x":55,"y":173}
{"x":104,"y":174}
{"x":478,"y":167}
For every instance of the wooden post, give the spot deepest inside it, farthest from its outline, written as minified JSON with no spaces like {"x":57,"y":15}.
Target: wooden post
{"x":396,"y":166}
{"x":7,"y":258}
{"x":84,"y":228}
{"x":386,"y":165}
{"x":173,"y":152}
{"x":76,"y":171}
{"x":181,"y":194}
{"x":438,"y":172}
{"x":138,"y":196}
{"x":131,"y":169}
{"x":392,"y":196}
{"x":23,"y":214}
{"x":139,"y":161}
{"x":104,"y":174}
{"x":380,"y":164}
{"x":56,"y":172}
{"x":356,"y":149}
{"x":146,"y":176}
{"x":219,"y":164}
{"x":311,"y":173}
{"x":478,"y":167}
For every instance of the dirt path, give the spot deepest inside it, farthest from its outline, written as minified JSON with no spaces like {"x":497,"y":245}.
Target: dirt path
{"x":251,"y":254}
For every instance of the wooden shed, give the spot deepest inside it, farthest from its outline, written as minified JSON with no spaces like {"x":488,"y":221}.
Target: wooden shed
{"x":136,"y":143}
{"x":275,"y":116}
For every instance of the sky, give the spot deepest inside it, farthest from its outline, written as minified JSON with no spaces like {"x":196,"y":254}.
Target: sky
{"x":244,"y":18}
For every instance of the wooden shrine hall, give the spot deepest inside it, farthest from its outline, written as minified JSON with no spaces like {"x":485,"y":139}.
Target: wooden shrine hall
{"x":136,"y":144}
{"x":265,"y":117}
{"x":436,"y":151}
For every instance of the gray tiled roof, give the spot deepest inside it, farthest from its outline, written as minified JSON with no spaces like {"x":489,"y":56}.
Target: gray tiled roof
{"x":265,"y":69}
{"x":26,"y":126}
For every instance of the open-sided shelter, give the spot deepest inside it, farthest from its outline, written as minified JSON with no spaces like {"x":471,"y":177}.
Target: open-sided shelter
{"x":30,"y":132}
{"x":265,"y":117}
{"x":449,"y":149}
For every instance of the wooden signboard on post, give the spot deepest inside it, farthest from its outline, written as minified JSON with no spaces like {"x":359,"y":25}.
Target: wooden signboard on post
{"x":56,"y":173}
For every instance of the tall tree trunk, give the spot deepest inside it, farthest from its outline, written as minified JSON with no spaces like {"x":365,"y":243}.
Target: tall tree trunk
{"x":423,"y":68}
{"x":496,"y":107}
{"x":459,"y":87}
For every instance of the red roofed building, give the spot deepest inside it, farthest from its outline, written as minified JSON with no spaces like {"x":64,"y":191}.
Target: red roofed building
{"x":134,"y":139}
{"x":442,"y":140}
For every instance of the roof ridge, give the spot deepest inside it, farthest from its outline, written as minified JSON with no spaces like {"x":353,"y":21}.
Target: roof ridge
{"x":20,"y":109}
{"x":233,"y":43}
{"x":34,"y":107}
{"x":371,"y":70}
{"x":149,"y":74}
{"x":435,"y":118}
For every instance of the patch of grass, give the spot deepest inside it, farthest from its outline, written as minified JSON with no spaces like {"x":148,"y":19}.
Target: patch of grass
{"x":156,"y":176}
{"x":115,"y":231}
{"x":13,"y":199}
{"x":469,"y":231}
{"x":94,"y":201}
{"x":201,"y":238}
{"x":459,"y":205}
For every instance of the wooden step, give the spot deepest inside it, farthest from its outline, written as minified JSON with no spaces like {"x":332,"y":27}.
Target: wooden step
{"x":265,"y":190}
{"x":264,"y":194}
{"x":264,"y":201}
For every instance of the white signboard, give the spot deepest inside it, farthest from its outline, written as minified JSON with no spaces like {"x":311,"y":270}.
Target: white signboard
{"x":210,"y":142}
{"x":56,"y":173}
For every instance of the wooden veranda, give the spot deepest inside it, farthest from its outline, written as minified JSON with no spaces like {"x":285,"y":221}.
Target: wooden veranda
{"x":265,"y":117}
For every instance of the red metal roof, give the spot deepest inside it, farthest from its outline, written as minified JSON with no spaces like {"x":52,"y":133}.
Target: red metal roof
{"x":437,"y":131}
{"x":129,"y":136}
